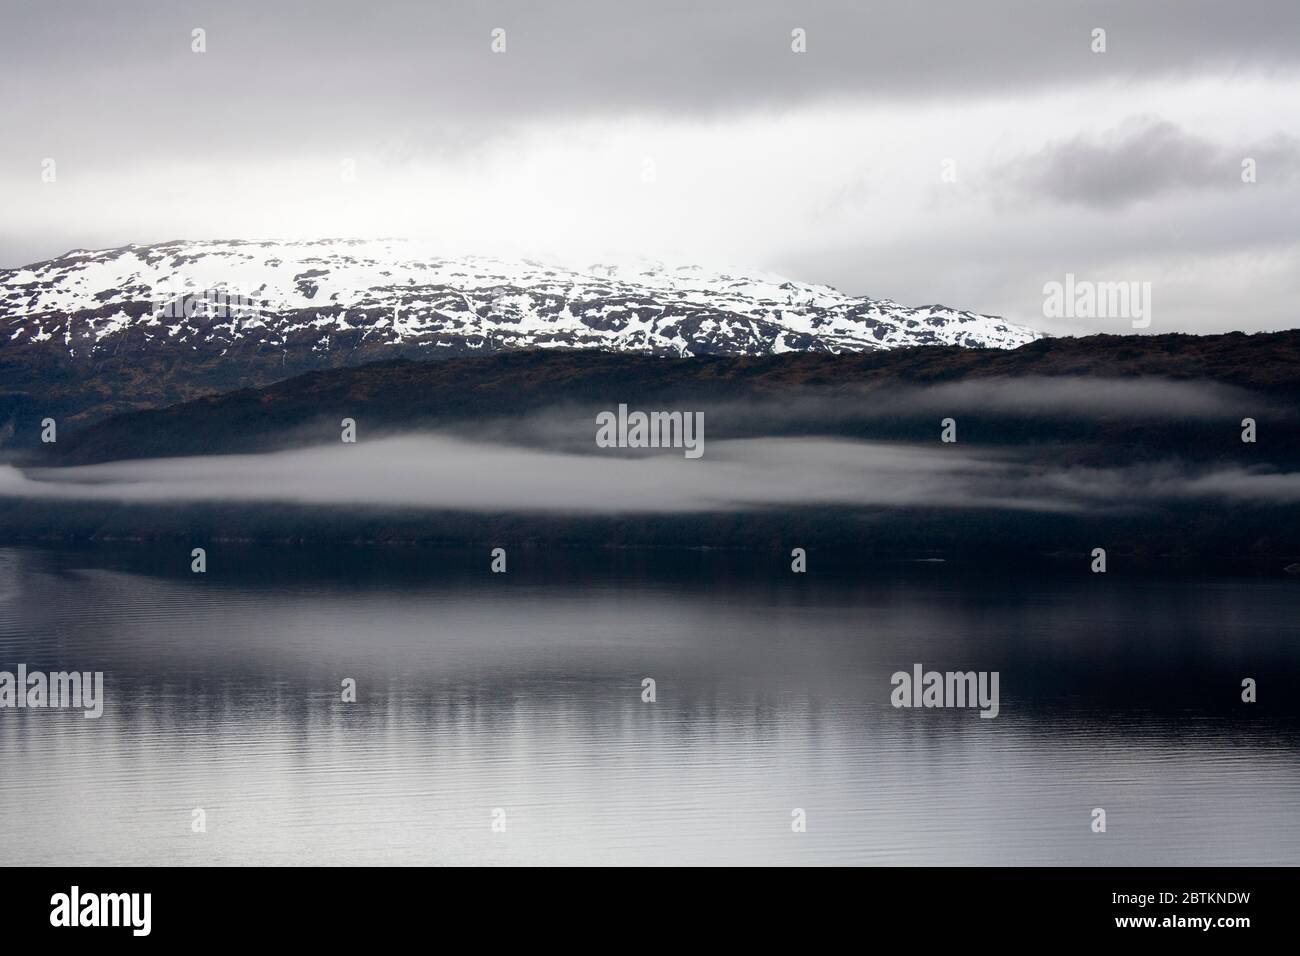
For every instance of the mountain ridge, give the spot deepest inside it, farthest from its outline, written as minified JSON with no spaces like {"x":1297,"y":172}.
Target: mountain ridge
{"x":314,"y":295}
{"x":403,"y":393}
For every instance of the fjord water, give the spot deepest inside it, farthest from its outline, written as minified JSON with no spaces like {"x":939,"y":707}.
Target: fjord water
{"x":523,"y":692}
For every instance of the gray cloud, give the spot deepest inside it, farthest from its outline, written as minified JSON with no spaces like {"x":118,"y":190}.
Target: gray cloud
{"x":1079,"y":397}
{"x":1118,"y":487}
{"x":441,"y":473}
{"x":1023,"y":398}
{"x":1028,"y":397}
{"x":300,"y":68}
{"x":1142,"y":159}
{"x":1219,"y":260}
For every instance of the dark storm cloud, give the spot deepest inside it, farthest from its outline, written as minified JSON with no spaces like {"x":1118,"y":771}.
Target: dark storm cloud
{"x":294,"y":71}
{"x":1144,"y":158}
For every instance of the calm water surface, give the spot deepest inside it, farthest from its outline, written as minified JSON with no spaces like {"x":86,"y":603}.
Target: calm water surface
{"x":523,"y":692}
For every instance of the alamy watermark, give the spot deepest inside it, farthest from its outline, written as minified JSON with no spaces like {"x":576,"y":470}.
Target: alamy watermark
{"x":624,"y":429}
{"x":61,"y":690}
{"x":75,"y":908}
{"x":1084,"y":299}
{"x":923,"y":688}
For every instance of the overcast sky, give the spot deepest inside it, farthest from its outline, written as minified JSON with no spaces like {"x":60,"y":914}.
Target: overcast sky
{"x":688,"y":130}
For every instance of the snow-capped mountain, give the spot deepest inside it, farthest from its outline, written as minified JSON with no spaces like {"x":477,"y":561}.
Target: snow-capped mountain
{"x":347,"y":296}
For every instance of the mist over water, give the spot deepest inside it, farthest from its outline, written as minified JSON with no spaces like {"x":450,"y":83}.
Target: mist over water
{"x":523,"y":692}
{"x":432,"y":471}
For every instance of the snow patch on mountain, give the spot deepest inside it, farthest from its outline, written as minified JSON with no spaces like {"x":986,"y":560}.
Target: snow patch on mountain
{"x":337,"y":293}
